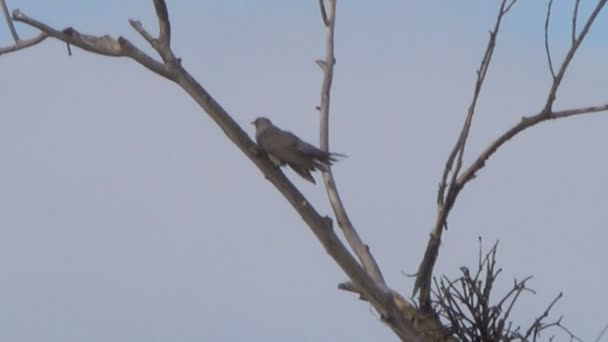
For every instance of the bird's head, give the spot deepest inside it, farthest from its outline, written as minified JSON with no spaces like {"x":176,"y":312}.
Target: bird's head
{"x":261,"y":123}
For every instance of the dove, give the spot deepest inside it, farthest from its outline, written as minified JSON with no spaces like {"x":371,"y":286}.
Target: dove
{"x":285,"y":148}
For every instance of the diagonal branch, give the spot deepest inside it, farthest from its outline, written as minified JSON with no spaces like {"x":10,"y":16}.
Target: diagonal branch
{"x":525,"y":123}
{"x":447,"y":194}
{"x":358,"y":246}
{"x":9,"y":22}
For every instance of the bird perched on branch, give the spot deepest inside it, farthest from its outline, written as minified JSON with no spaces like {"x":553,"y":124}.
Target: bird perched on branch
{"x":285,"y":148}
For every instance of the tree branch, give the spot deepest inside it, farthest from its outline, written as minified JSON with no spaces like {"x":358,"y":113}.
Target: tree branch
{"x":448,"y":194}
{"x":445,"y":201}
{"x":19,"y":43}
{"x":547,"y":50}
{"x":466,"y":304}
{"x":323,"y":13}
{"x":570,"y":55}
{"x":103,"y":45}
{"x":9,"y":22}
{"x":360,"y":248}
{"x":574,"y":19}
{"x":22,"y":44}
{"x":399,"y":314}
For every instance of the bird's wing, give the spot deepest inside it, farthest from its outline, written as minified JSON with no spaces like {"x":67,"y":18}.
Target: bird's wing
{"x":278,"y":143}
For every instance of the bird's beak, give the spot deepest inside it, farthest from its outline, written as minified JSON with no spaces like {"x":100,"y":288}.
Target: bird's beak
{"x":252,"y":122}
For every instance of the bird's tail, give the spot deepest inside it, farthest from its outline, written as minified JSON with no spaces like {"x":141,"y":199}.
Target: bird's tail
{"x":304,"y":172}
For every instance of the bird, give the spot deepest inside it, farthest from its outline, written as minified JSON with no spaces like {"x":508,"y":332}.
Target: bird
{"x":285,"y":148}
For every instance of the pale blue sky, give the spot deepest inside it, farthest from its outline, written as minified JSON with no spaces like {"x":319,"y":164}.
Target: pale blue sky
{"x":126,"y":215}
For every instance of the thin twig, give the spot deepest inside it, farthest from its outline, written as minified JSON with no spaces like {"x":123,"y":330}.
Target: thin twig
{"x":570,"y":55}
{"x":323,"y":13}
{"x":547,"y":50}
{"x":602,"y":333}
{"x":574,"y":19}
{"x":538,"y":322}
{"x":466,"y":305}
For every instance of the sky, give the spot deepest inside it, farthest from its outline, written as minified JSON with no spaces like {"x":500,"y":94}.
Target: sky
{"x":127,"y":215}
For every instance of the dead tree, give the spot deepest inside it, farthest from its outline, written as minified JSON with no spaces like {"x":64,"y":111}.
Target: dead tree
{"x":410,"y":321}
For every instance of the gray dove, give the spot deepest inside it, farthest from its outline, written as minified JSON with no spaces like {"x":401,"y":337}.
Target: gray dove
{"x":285,"y":148}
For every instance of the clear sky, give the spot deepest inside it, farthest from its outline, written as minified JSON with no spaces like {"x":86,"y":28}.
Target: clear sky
{"x":126,"y":214}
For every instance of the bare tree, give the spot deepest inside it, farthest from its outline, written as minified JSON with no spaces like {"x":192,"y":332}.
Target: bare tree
{"x":430,"y":319}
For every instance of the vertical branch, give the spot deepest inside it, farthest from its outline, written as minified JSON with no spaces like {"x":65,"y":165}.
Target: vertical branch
{"x":351,"y":235}
{"x":547,"y":50}
{"x":574,"y":18}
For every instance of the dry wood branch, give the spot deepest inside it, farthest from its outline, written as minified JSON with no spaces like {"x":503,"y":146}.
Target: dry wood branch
{"x":570,"y":55}
{"x":9,"y":22}
{"x":22,"y":44}
{"x":465,"y":303}
{"x":599,"y":337}
{"x":162,"y":44}
{"x":547,"y":50}
{"x":103,"y":45}
{"x":358,"y":246}
{"x":323,"y":13}
{"x":398,"y":313}
{"x":574,"y":19}
{"x":164,"y":26}
{"x":448,"y":193}
{"x":525,"y":123}
{"x":19,"y":43}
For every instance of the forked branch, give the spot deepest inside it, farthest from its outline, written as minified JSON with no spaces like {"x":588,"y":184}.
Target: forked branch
{"x":448,"y":191}
{"x":19,"y":43}
{"x":393,"y":308}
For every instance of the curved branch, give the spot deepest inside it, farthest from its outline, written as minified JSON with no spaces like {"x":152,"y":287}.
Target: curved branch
{"x":351,"y":235}
{"x":23,"y":44}
{"x":547,"y":50}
